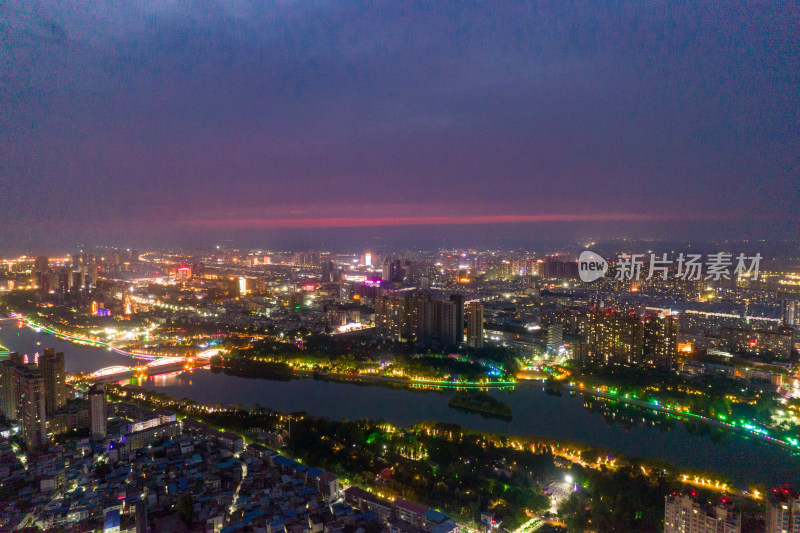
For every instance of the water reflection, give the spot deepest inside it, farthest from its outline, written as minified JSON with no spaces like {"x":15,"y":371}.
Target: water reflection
{"x":536,"y":412}
{"x":626,"y":415}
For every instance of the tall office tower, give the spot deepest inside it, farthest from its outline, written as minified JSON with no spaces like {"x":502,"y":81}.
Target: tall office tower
{"x":386,"y":270}
{"x":475,"y":325}
{"x":555,"y":337}
{"x":458,"y":300}
{"x":41,"y":264}
{"x":398,"y":271}
{"x":31,"y":405}
{"x":327,"y":271}
{"x":660,"y":342}
{"x":688,"y":513}
{"x":94,"y":273}
{"x":63,"y":276}
{"x":76,"y":260}
{"x":98,"y":412}
{"x":783,"y":511}
{"x":51,"y":365}
{"x":8,"y":389}
{"x":612,"y":338}
{"x":791,"y":309}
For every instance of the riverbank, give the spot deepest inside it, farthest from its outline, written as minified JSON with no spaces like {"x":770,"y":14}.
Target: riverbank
{"x":538,"y":414}
{"x":403,"y":382}
{"x":282,"y":370}
{"x":411,"y":439}
{"x":686,"y":416}
{"x":372,"y":379}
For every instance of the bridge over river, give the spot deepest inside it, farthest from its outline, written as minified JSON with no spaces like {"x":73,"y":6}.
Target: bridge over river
{"x":163,"y":365}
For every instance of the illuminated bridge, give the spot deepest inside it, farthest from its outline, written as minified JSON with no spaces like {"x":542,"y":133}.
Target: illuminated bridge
{"x":164,"y":365}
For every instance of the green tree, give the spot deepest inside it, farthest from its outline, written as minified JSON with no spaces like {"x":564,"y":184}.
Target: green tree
{"x":185,"y":506}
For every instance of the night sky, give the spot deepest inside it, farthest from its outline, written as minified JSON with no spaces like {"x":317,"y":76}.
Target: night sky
{"x":139,"y":122}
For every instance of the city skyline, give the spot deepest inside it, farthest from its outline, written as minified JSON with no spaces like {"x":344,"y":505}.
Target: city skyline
{"x":400,"y":267}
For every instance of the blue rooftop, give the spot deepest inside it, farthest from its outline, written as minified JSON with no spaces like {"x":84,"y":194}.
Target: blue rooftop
{"x":435,"y":516}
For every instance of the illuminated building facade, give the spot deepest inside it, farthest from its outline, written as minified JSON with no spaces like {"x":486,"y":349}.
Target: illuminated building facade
{"x":688,"y":513}
{"x":8,"y":394}
{"x":660,"y":342}
{"x":417,"y":317}
{"x":51,"y":365}
{"x":389,"y":316}
{"x":777,"y":343}
{"x":783,"y":511}
{"x":97,"y":410}
{"x":790,"y":311}
{"x":475,"y":325}
{"x":612,"y":337}
{"x":30,"y":398}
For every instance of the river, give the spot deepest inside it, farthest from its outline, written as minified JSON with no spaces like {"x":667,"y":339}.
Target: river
{"x":535,"y":413}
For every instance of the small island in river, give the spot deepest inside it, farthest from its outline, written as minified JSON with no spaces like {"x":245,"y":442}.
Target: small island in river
{"x":480,"y":402}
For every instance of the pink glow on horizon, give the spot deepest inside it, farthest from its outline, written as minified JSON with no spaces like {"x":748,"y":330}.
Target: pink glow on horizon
{"x":343,"y":222}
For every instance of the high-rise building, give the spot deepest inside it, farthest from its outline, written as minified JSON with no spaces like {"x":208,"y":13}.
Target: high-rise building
{"x":776,"y":342}
{"x":386,"y":270}
{"x":30,"y":398}
{"x":94,"y":273}
{"x":791,"y":309}
{"x":98,"y":412}
{"x":475,"y":325}
{"x":420,"y":317}
{"x":51,"y":365}
{"x":660,"y":341}
{"x":328,"y":269}
{"x":445,"y":328}
{"x":783,"y":511}
{"x":416,"y":317}
{"x":557,"y":268}
{"x":8,"y":389}
{"x":555,"y":337}
{"x":390,"y":316}
{"x":63,"y":276}
{"x":397,"y":271}
{"x":141,"y":517}
{"x":458,"y":301}
{"x":688,"y":513}
{"x":612,"y":337}
{"x":41,"y":264}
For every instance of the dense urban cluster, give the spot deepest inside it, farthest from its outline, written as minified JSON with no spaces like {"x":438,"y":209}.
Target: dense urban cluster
{"x":713,"y":352}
